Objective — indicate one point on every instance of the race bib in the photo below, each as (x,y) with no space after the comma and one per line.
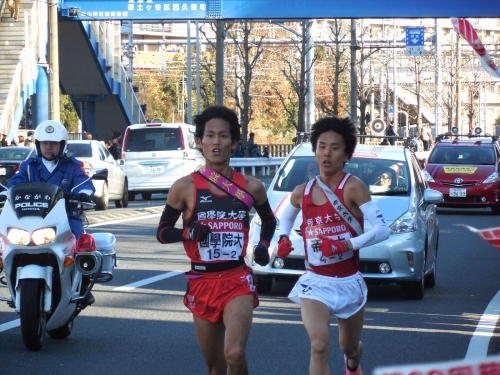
(336,232)
(221,246)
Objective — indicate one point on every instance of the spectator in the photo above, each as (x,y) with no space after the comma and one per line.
(238,151)
(391,132)
(117,142)
(266,152)
(14,8)
(87,136)
(416,142)
(5,143)
(250,143)
(426,137)
(21,140)
(28,142)
(255,153)
(15,141)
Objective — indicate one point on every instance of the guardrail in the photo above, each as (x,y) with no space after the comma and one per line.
(253,163)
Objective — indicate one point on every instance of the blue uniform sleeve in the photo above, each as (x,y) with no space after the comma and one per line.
(21,176)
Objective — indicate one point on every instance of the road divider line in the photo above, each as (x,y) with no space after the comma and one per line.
(134,218)
(10,325)
(151,280)
(478,344)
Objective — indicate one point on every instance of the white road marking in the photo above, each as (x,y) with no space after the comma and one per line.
(478,345)
(9,325)
(150,280)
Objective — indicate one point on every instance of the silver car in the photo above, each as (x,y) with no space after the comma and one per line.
(94,154)
(408,257)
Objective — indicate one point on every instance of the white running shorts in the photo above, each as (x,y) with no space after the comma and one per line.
(344,296)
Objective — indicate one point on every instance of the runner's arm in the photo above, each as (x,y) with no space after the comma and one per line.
(268,222)
(379,232)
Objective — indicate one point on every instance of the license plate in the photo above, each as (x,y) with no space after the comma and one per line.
(154,169)
(460,193)
(3,171)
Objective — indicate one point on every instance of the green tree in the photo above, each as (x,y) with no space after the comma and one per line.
(69,117)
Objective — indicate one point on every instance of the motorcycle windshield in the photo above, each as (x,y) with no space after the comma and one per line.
(34,198)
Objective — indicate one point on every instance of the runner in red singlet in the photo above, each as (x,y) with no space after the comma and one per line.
(215,204)
(333,205)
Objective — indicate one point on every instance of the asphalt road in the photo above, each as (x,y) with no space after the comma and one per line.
(139,323)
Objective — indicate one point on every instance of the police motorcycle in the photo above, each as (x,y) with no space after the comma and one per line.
(44,266)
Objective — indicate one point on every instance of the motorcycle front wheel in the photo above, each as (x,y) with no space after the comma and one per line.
(33,318)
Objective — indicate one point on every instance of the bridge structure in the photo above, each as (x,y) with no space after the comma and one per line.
(91,70)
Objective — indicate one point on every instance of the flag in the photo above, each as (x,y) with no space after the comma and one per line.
(492,235)
(466,30)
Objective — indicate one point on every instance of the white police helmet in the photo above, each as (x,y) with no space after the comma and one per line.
(51,131)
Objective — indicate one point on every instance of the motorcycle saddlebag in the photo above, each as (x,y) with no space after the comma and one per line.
(105,244)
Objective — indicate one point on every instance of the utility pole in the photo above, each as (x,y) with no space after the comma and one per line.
(219,64)
(394,79)
(54,112)
(354,76)
(310,107)
(437,57)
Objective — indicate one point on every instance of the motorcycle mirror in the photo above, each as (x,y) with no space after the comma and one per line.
(98,173)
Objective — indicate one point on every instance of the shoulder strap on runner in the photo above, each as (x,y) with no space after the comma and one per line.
(227,185)
(341,209)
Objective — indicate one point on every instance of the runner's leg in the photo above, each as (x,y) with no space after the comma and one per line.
(316,318)
(211,341)
(349,337)
(238,315)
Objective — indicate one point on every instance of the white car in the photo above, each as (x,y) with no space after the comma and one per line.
(156,155)
(94,154)
(408,257)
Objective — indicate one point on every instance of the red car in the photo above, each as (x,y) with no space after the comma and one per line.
(466,172)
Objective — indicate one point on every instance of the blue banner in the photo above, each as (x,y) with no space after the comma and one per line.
(275,9)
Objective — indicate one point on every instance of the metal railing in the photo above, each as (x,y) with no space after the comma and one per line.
(254,163)
(107,35)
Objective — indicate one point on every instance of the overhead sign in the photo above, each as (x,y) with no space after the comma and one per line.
(272,9)
(415,41)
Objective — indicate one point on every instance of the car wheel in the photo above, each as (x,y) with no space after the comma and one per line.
(101,204)
(122,203)
(131,196)
(414,290)
(430,279)
(264,284)
(146,196)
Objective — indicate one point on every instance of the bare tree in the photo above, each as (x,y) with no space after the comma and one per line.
(295,72)
(247,53)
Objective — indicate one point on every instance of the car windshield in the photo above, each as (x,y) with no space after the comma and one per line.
(79,150)
(461,154)
(154,139)
(381,176)
(21,154)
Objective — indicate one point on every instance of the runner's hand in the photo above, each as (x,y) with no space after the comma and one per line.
(331,247)
(261,254)
(284,246)
(196,232)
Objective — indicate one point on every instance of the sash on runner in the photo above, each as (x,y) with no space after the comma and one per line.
(337,204)
(227,185)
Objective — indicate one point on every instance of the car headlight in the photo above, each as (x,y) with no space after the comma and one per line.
(18,236)
(43,236)
(492,178)
(428,177)
(257,220)
(406,223)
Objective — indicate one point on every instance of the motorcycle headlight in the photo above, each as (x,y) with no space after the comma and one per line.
(43,236)
(405,224)
(18,236)
(491,178)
